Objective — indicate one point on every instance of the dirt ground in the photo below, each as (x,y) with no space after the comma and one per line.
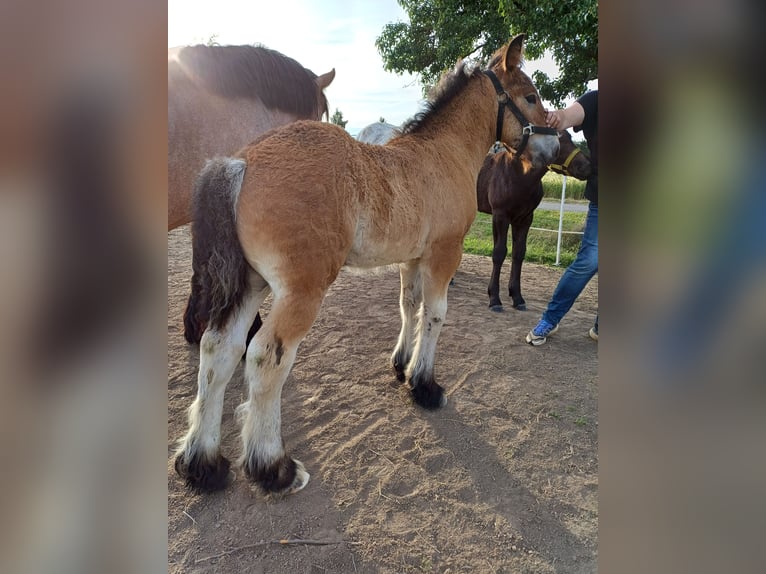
(502,479)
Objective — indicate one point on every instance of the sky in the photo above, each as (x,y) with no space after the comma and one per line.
(320,34)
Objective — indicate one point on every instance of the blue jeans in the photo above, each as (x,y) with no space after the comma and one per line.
(577,275)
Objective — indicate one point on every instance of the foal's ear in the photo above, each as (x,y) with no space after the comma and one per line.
(325,79)
(514,52)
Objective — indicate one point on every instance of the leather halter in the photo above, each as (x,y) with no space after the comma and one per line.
(563,168)
(504,100)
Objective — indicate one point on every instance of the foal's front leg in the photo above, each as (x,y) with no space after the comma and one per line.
(519,233)
(500,224)
(437,272)
(410,300)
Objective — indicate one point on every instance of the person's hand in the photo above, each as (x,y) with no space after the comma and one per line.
(553,119)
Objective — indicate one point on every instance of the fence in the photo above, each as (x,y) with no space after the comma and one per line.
(561,223)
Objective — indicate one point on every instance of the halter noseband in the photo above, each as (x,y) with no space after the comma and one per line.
(563,168)
(527,129)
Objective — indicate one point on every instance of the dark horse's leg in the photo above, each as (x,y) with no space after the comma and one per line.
(519,232)
(500,224)
(196,317)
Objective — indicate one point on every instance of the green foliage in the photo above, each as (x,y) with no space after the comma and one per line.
(440,32)
(337,119)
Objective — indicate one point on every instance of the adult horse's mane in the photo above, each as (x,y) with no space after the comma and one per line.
(254,72)
(451,84)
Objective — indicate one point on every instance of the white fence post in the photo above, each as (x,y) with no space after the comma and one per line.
(561,219)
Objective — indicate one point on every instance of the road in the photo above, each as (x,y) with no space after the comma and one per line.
(555,205)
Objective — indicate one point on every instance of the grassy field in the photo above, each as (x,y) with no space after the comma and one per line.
(541,245)
(552,187)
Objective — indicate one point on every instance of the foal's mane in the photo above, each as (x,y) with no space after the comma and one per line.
(451,84)
(255,72)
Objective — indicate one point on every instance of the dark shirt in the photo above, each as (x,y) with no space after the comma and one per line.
(589,127)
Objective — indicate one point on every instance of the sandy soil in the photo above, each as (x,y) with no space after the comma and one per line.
(502,479)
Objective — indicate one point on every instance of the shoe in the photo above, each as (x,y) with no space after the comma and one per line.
(593,333)
(541,332)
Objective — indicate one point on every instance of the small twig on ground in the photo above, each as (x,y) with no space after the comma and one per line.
(382,456)
(190,517)
(282,542)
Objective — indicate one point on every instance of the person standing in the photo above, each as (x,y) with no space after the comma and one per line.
(582,115)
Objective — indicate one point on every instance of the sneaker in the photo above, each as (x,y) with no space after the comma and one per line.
(540,333)
(593,333)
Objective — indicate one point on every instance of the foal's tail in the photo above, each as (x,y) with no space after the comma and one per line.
(220,270)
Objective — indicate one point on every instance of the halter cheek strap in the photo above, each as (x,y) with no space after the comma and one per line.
(504,100)
(564,167)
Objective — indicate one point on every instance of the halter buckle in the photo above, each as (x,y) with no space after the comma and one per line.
(498,147)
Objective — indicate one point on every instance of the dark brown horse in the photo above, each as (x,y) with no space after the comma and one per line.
(286,214)
(510,189)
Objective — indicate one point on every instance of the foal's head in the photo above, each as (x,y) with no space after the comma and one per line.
(571,161)
(505,63)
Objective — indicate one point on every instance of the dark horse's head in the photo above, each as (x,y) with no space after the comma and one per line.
(571,160)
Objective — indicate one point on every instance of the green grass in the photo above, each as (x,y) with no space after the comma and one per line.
(552,187)
(541,245)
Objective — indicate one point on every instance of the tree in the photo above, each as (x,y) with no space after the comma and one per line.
(442,31)
(337,119)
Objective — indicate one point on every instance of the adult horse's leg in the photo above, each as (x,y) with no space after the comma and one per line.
(198,459)
(436,271)
(519,232)
(499,251)
(410,300)
(270,356)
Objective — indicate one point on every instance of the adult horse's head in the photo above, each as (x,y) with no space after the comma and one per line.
(221,98)
(521,116)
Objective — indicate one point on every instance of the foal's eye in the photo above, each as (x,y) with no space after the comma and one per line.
(532,98)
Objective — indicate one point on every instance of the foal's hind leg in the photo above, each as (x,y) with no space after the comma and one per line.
(410,300)
(198,459)
(270,357)
(437,271)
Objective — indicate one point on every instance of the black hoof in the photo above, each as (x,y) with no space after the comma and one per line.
(496,308)
(520,307)
(284,476)
(428,394)
(202,475)
(400,366)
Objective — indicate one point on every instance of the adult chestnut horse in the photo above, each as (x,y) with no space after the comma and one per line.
(510,188)
(221,98)
(292,210)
